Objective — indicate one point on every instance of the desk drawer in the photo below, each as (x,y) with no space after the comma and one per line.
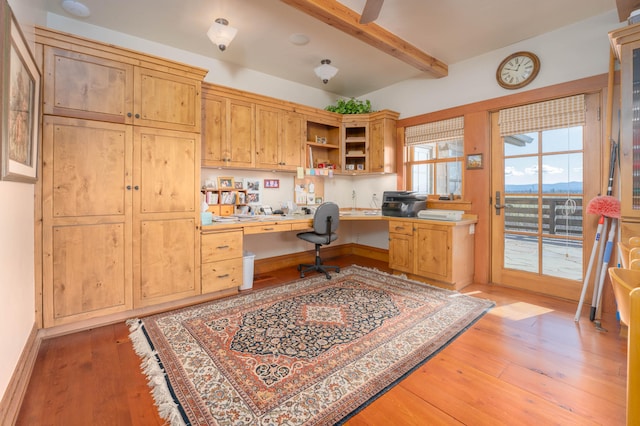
(262,229)
(400,227)
(302,226)
(221,275)
(221,246)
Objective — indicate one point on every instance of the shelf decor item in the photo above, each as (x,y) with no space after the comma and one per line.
(226,183)
(20,103)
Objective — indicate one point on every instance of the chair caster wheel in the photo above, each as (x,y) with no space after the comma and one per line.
(338,270)
(301,275)
(328,276)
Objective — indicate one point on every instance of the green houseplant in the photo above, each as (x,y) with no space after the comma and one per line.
(351,106)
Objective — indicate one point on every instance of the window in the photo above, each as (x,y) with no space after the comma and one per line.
(435,152)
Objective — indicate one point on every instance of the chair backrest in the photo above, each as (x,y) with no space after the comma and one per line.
(326,218)
(623,282)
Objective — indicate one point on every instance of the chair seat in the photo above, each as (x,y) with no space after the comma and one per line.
(314,238)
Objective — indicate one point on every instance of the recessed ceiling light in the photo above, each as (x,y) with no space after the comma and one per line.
(76,8)
(299,39)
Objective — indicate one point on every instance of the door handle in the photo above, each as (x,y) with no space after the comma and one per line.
(499,206)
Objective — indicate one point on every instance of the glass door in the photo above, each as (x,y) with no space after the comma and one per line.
(538,212)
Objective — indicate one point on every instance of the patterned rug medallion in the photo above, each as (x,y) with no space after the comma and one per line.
(311,352)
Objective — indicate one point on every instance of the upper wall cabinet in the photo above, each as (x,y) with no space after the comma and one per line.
(279,136)
(228,131)
(83,79)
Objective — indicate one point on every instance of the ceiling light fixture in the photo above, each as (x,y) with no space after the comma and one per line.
(326,71)
(76,8)
(221,33)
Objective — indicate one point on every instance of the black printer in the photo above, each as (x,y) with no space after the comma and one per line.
(403,203)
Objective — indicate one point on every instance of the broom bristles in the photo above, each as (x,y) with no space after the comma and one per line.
(604,205)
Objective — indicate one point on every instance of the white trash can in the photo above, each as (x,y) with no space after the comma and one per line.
(247,270)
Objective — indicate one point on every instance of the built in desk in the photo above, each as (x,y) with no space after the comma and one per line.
(434,251)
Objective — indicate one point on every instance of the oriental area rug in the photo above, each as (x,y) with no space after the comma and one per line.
(311,352)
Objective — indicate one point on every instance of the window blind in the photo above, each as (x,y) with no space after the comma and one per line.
(557,113)
(434,132)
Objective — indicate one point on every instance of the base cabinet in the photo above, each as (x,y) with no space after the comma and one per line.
(440,253)
(221,259)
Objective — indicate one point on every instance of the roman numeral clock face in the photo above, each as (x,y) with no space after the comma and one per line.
(518,70)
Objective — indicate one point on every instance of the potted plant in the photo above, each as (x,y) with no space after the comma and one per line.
(351,106)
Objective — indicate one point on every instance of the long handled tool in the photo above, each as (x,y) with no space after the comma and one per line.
(603,271)
(585,284)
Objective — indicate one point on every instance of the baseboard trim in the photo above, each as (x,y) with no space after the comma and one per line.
(17,388)
(262,266)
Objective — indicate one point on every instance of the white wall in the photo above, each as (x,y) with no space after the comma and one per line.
(570,53)
(17,284)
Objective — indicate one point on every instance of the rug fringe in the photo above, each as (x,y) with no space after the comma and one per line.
(156,377)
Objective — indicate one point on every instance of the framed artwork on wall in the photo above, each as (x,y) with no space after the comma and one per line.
(474,161)
(226,183)
(20,110)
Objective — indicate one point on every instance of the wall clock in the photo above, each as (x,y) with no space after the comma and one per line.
(517,70)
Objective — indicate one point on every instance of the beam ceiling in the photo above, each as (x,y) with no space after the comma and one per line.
(341,17)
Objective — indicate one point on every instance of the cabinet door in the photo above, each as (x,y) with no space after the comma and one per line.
(292,146)
(85,86)
(86,210)
(166,171)
(166,101)
(433,251)
(382,146)
(165,259)
(401,252)
(241,134)
(214,130)
(268,137)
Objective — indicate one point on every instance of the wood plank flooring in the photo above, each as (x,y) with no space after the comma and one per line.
(525,362)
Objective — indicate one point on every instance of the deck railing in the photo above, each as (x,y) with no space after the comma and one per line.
(560,215)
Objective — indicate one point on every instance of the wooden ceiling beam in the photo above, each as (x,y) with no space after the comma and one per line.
(341,17)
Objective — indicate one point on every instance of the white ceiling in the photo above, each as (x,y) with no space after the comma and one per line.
(449,30)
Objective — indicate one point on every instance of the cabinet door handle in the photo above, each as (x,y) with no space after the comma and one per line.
(136,187)
(128,187)
(223,276)
(129,114)
(222,247)
(137,115)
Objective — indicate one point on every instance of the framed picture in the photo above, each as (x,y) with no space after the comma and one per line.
(226,183)
(272,183)
(237,184)
(20,110)
(474,161)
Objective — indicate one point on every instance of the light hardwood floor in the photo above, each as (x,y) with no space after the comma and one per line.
(525,362)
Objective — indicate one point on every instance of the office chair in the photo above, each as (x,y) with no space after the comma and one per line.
(325,224)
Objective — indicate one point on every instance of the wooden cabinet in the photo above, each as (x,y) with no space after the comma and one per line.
(221,259)
(323,147)
(279,137)
(166,215)
(228,131)
(626,43)
(401,246)
(120,179)
(101,87)
(440,253)
(382,142)
(87,211)
(355,144)
(369,142)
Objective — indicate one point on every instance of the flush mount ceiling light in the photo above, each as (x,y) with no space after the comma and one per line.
(76,8)
(326,71)
(221,33)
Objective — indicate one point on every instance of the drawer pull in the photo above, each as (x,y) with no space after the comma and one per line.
(268,229)
(222,247)
(399,228)
(223,276)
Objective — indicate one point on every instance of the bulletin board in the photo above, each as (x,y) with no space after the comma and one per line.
(308,191)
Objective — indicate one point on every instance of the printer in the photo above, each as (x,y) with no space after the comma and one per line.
(403,203)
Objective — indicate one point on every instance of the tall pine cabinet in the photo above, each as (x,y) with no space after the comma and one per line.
(120,177)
